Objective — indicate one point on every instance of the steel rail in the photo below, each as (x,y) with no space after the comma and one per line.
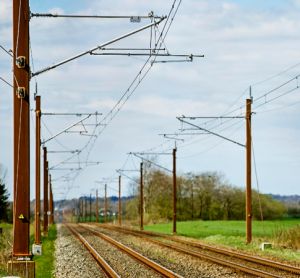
(103,264)
(137,256)
(262,261)
(253,259)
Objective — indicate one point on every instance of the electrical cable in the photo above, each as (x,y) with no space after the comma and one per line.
(279,96)
(277,88)
(6,82)
(276,75)
(138,79)
(18,29)
(277,109)
(257,183)
(6,51)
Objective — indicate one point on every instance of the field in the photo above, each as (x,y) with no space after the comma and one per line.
(283,234)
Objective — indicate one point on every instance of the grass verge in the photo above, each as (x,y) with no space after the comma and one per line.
(5,247)
(44,265)
(232,234)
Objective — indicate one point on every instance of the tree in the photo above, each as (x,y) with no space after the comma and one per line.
(3,196)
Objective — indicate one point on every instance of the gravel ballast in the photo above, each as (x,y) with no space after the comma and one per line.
(72,259)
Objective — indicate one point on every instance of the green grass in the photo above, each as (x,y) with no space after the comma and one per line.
(203,229)
(5,247)
(232,234)
(44,265)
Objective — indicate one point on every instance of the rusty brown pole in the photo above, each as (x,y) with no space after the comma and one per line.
(21,111)
(105,204)
(90,217)
(85,208)
(97,207)
(248,173)
(37,235)
(120,205)
(52,209)
(142,199)
(50,202)
(45,230)
(81,210)
(174,192)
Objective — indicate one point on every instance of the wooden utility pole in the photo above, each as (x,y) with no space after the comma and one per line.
(141,198)
(120,205)
(21,112)
(97,207)
(45,192)
(37,238)
(248,172)
(174,192)
(105,204)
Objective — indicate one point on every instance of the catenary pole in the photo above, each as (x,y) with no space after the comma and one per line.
(174,192)
(90,207)
(21,143)
(248,172)
(50,202)
(97,207)
(85,208)
(120,205)
(37,238)
(45,230)
(105,203)
(141,198)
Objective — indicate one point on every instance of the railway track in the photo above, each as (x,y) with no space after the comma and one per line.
(248,264)
(109,271)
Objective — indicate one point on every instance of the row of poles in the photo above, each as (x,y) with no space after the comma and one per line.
(83,205)
(21,143)
(248,208)
(48,205)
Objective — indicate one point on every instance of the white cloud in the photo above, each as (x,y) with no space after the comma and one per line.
(6,11)
(241,46)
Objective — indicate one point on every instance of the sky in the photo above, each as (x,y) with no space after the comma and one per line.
(245,44)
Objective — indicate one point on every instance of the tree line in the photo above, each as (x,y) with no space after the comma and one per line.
(206,196)
(5,210)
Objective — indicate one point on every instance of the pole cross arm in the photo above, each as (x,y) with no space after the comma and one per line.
(189,57)
(97,47)
(210,132)
(151,162)
(123,174)
(66,129)
(133,18)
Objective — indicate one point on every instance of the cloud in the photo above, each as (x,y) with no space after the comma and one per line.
(6,11)
(158,106)
(242,43)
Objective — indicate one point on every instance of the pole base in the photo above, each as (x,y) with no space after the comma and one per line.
(22,268)
(37,249)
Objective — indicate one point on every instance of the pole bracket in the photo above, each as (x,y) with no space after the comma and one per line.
(21,92)
(21,62)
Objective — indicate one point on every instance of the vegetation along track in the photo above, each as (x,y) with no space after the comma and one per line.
(246,263)
(78,231)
